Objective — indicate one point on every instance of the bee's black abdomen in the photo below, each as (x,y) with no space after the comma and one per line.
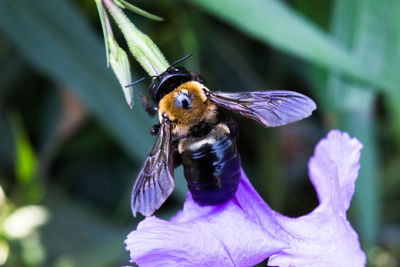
(212,171)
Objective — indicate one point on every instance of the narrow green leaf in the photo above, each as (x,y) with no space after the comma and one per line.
(25,161)
(120,64)
(140,45)
(100,9)
(139,11)
(273,22)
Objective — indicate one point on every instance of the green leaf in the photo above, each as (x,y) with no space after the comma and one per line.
(25,161)
(392,65)
(361,26)
(141,46)
(120,65)
(139,11)
(102,16)
(273,22)
(61,45)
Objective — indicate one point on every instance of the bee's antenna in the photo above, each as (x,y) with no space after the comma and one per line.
(182,59)
(136,82)
(173,64)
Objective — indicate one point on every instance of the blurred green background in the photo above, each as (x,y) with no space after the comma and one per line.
(70,147)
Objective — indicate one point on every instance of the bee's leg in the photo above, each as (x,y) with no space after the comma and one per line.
(233,127)
(196,77)
(176,156)
(155,129)
(150,109)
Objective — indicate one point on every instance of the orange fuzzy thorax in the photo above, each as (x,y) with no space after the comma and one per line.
(183,119)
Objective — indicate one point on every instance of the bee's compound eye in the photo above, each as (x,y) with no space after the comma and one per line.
(183,100)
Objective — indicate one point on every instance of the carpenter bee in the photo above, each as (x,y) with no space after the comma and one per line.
(189,133)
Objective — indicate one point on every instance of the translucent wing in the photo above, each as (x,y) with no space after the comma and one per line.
(269,108)
(155,181)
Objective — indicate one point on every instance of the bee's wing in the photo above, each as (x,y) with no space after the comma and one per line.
(269,108)
(155,181)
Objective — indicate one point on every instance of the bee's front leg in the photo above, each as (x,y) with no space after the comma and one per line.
(155,129)
(149,108)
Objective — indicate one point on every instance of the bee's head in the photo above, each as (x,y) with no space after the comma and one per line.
(167,81)
(187,106)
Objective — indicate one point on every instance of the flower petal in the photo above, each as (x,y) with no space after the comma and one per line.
(325,237)
(334,169)
(249,201)
(223,235)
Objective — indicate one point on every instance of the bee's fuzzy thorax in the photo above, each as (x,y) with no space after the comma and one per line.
(183,119)
(217,132)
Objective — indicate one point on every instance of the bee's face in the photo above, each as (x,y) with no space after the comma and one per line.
(186,106)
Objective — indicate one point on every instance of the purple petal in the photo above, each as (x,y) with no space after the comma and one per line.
(334,169)
(222,235)
(325,237)
(249,201)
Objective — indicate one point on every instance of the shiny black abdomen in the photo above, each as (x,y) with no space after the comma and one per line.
(212,171)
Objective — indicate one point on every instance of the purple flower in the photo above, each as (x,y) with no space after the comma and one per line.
(245,230)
